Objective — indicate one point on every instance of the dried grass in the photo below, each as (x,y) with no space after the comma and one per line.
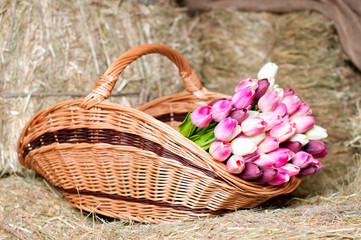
(57,49)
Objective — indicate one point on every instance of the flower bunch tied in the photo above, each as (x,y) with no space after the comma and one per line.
(262,133)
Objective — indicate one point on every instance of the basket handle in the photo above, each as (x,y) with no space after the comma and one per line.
(106,82)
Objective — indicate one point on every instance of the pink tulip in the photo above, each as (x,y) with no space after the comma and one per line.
(281,156)
(215,101)
(281,178)
(265,161)
(293,146)
(271,118)
(292,170)
(316,163)
(292,103)
(281,109)
(256,139)
(269,173)
(225,129)
(286,119)
(251,171)
(283,131)
(315,147)
(239,115)
(302,159)
(220,150)
(303,110)
(251,157)
(243,98)
(263,85)
(268,144)
(303,123)
(288,91)
(268,102)
(311,169)
(235,164)
(321,154)
(253,126)
(221,109)
(253,83)
(202,116)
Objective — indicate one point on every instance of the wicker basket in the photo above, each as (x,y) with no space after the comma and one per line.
(132,163)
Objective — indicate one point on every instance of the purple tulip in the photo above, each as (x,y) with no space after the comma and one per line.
(220,150)
(253,83)
(239,115)
(288,91)
(315,147)
(283,131)
(202,116)
(268,144)
(303,110)
(303,123)
(321,154)
(281,109)
(292,170)
(263,85)
(243,98)
(251,157)
(281,178)
(302,159)
(235,164)
(293,146)
(253,126)
(269,173)
(292,103)
(313,168)
(281,156)
(268,102)
(265,161)
(271,118)
(221,109)
(251,171)
(225,129)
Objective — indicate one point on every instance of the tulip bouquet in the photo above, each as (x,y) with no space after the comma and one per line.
(262,133)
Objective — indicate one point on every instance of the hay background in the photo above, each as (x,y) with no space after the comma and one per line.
(62,47)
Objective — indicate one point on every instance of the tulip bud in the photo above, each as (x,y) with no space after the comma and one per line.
(243,98)
(303,110)
(308,171)
(314,147)
(303,123)
(281,109)
(293,146)
(221,109)
(225,129)
(292,103)
(265,161)
(288,91)
(243,146)
(220,150)
(321,154)
(235,164)
(251,157)
(263,85)
(316,133)
(292,170)
(253,83)
(281,156)
(268,102)
(316,163)
(271,118)
(268,144)
(302,159)
(281,178)
(202,116)
(251,171)
(215,101)
(253,126)
(239,115)
(256,139)
(301,138)
(283,131)
(268,70)
(269,173)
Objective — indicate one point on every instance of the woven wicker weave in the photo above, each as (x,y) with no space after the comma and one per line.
(132,163)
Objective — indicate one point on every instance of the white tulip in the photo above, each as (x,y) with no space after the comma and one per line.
(301,138)
(268,70)
(237,131)
(257,138)
(316,133)
(252,113)
(243,146)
